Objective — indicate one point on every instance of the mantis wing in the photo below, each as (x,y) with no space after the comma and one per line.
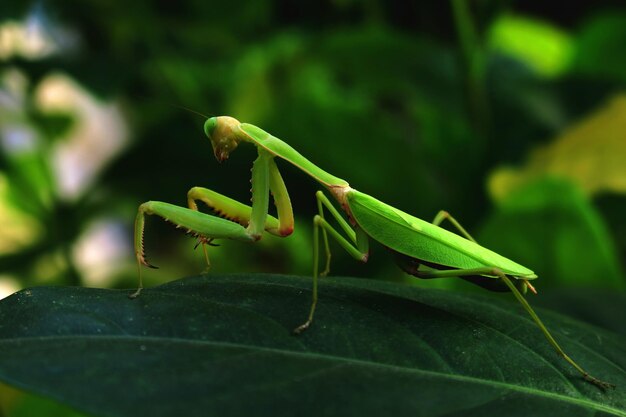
(425,241)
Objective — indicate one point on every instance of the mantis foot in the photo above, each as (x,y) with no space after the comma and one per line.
(302,327)
(135,294)
(326,270)
(604,386)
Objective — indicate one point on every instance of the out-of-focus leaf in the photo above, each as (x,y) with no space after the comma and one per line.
(551,227)
(18,230)
(23,148)
(540,45)
(591,154)
(254,76)
(222,345)
(600,47)
(54,125)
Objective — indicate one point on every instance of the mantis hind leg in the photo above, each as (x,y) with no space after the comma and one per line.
(495,272)
(357,245)
(444,215)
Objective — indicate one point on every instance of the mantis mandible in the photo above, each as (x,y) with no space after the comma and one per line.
(414,243)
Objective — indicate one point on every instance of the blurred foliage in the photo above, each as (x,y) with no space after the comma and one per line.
(591,154)
(600,51)
(384,95)
(550,224)
(542,46)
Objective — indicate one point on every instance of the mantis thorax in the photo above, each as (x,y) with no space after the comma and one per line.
(340,192)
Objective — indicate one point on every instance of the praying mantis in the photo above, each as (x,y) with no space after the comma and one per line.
(420,248)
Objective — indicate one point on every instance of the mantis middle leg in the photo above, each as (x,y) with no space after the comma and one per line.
(357,245)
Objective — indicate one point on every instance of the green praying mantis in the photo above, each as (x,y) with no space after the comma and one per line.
(420,248)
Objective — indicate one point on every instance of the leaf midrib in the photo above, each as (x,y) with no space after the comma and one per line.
(456,377)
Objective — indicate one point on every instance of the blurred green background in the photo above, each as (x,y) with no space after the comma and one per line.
(510,115)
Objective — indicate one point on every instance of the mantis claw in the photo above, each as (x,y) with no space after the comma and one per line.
(149,265)
(205,241)
(143,261)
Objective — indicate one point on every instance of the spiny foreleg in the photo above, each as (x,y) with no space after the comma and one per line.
(197,224)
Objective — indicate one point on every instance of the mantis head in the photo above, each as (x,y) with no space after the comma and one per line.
(223,131)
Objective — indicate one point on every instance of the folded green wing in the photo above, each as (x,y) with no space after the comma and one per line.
(425,241)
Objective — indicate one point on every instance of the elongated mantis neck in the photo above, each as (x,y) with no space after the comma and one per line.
(227,132)
(284,151)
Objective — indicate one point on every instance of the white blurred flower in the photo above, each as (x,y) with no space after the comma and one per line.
(98,133)
(8,285)
(102,251)
(34,38)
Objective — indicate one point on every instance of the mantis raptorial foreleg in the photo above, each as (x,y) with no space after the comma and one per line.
(357,246)
(244,223)
(227,208)
(196,223)
(240,213)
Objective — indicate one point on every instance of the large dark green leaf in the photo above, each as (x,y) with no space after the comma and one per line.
(222,345)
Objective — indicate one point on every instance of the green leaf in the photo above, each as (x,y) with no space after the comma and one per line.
(222,345)
(542,46)
(599,47)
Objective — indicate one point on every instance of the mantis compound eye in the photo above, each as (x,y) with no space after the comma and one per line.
(209,126)
(222,131)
